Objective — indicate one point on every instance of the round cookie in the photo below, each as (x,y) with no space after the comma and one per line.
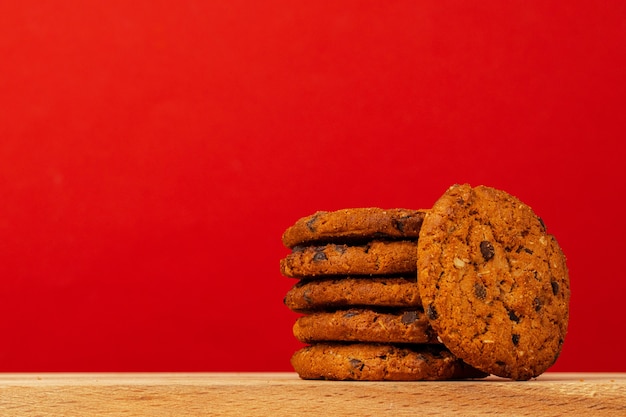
(373,258)
(372,362)
(355,224)
(494,284)
(363,325)
(311,295)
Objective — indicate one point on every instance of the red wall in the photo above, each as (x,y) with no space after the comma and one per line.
(152,153)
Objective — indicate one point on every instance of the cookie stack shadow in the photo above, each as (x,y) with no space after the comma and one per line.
(362,317)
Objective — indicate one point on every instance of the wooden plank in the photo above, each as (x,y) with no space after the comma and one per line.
(284,394)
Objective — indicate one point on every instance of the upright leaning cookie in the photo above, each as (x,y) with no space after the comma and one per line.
(493,282)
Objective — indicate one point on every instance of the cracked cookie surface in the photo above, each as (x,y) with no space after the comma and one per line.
(355,224)
(364,325)
(373,258)
(379,362)
(494,284)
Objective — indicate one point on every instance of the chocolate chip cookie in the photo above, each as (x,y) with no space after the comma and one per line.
(365,325)
(379,362)
(355,224)
(334,293)
(494,284)
(372,258)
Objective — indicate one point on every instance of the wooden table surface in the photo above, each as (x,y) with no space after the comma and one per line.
(284,394)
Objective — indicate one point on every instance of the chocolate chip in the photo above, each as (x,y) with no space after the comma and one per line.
(319,255)
(399,223)
(555,287)
(515,339)
(306,295)
(537,303)
(480,291)
(486,249)
(521,248)
(513,316)
(431,334)
(311,223)
(341,249)
(431,312)
(356,364)
(409,317)
(350,313)
(542,223)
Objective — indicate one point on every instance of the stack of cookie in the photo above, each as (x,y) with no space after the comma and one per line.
(362,313)
(471,287)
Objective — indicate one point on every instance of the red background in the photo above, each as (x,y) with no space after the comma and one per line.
(152,153)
